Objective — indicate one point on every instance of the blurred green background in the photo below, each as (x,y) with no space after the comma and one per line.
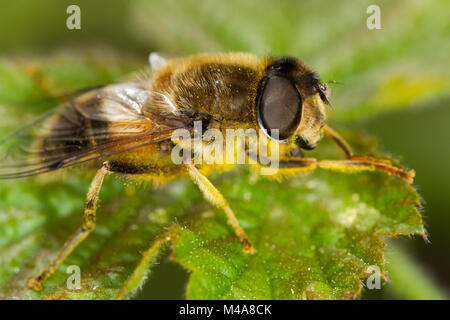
(394,82)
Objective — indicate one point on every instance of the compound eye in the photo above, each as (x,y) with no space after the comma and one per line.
(279,107)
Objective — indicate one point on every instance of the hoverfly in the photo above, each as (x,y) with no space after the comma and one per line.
(126,128)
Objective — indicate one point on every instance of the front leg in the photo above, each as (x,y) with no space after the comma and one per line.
(358,163)
(295,165)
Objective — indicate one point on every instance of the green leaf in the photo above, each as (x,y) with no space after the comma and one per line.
(315,238)
(315,235)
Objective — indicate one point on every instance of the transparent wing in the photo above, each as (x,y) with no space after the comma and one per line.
(96,124)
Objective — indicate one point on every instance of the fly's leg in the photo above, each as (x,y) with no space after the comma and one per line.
(358,163)
(216,198)
(86,228)
(295,165)
(362,163)
(338,141)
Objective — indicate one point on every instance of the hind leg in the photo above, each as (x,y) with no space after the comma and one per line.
(81,234)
